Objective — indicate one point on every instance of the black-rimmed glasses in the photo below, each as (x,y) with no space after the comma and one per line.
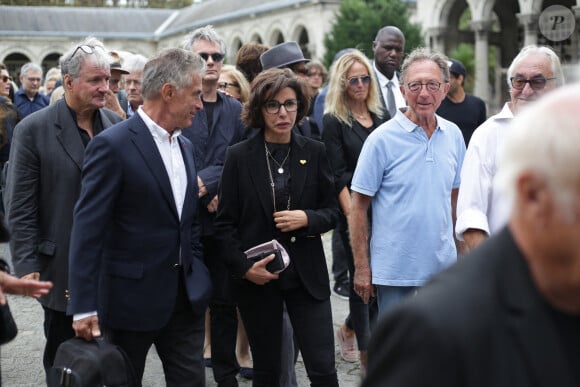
(354,81)
(536,83)
(225,85)
(216,56)
(431,86)
(273,106)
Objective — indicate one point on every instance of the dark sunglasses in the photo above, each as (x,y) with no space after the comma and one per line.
(6,78)
(354,81)
(537,83)
(216,56)
(225,85)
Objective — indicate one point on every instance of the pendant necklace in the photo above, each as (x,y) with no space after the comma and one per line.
(280,169)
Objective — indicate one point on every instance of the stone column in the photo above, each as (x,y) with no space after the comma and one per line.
(481,29)
(436,37)
(530,23)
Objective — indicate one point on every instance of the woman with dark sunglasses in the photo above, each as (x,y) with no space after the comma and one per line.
(352,111)
(9,117)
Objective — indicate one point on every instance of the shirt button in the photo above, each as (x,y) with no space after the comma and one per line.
(293,239)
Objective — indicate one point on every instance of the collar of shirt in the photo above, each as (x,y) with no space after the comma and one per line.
(383,80)
(157,131)
(505,113)
(408,125)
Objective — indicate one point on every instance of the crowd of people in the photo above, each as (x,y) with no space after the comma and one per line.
(179,202)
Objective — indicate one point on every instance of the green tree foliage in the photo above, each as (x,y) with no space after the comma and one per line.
(358,21)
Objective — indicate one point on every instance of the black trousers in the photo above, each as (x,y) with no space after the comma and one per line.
(362,317)
(223,318)
(57,329)
(261,309)
(179,345)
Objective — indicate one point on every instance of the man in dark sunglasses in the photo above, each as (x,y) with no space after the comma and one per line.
(44,179)
(214,128)
(481,209)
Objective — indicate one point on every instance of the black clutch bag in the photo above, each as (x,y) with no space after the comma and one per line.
(274,266)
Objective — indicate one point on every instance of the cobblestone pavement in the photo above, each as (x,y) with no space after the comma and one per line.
(21,359)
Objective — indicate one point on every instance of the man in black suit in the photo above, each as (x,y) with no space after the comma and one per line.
(43,180)
(508,314)
(136,265)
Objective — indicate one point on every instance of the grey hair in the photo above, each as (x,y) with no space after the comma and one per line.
(135,63)
(551,153)
(538,50)
(30,67)
(422,54)
(204,33)
(71,61)
(172,65)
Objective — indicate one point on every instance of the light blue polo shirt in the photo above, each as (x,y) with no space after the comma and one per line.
(410,178)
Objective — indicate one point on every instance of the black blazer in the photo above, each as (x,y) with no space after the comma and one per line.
(43,185)
(245,211)
(480,323)
(343,146)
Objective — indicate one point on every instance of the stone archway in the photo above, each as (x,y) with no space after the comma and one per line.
(13,63)
(304,42)
(49,61)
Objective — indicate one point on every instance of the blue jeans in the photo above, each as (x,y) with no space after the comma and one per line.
(389,296)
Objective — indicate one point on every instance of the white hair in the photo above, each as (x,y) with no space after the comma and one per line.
(544,139)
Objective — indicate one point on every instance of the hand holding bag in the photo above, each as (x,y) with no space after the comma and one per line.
(281,258)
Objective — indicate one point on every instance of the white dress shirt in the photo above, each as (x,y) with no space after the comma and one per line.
(480,204)
(170,151)
(383,80)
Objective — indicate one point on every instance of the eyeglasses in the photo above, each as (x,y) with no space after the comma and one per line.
(33,79)
(225,85)
(354,81)
(432,86)
(5,78)
(216,56)
(273,106)
(536,83)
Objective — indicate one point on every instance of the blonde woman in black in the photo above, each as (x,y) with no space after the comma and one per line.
(352,111)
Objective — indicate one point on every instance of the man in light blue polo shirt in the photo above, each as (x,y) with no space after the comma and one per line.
(409,169)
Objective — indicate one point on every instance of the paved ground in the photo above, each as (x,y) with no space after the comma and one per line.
(21,360)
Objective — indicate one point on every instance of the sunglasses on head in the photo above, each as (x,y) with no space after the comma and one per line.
(216,56)
(354,81)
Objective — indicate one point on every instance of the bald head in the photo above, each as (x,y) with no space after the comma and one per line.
(388,48)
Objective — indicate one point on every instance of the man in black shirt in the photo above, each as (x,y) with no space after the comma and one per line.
(465,110)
